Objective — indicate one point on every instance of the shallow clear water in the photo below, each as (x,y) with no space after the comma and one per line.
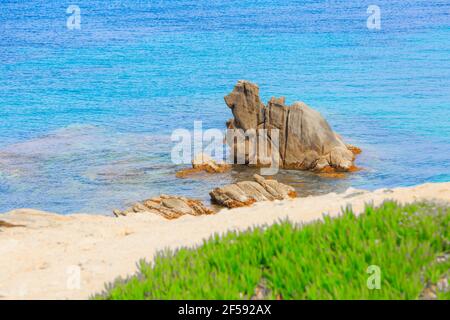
(86,115)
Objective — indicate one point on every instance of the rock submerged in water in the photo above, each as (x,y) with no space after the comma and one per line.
(234,195)
(204,163)
(169,207)
(245,193)
(306,140)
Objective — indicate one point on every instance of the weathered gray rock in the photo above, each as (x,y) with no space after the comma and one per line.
(4,224)
(247,192)
(169,207)
(248,110)
(306,140)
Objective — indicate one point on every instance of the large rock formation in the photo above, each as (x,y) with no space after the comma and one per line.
(306,141)
(245,193)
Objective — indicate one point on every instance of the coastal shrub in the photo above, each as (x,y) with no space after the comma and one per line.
(330,259)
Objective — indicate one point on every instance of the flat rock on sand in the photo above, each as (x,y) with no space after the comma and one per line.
(245,193)
(44,259)
(167,206)
(306,140)
(234,195)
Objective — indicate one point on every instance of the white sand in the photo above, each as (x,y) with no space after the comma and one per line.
(41,260)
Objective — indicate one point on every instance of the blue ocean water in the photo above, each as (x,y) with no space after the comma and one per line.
(86,115)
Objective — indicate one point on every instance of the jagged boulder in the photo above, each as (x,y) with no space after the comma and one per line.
(5,224)
(306,140)
(169,207)
(245,193)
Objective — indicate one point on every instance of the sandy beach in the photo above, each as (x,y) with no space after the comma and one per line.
(45,254)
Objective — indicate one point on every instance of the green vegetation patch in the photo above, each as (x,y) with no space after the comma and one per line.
(406,246)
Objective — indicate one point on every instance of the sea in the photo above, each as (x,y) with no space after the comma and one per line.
(91,91)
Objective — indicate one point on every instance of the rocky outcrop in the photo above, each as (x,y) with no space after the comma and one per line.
(169,207)
(245,193)
(4,224)
(234,195)
(306,140)
(203,163)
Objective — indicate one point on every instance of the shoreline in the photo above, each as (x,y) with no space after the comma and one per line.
(41,256)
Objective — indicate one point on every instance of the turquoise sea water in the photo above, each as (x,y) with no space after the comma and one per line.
(86,115)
